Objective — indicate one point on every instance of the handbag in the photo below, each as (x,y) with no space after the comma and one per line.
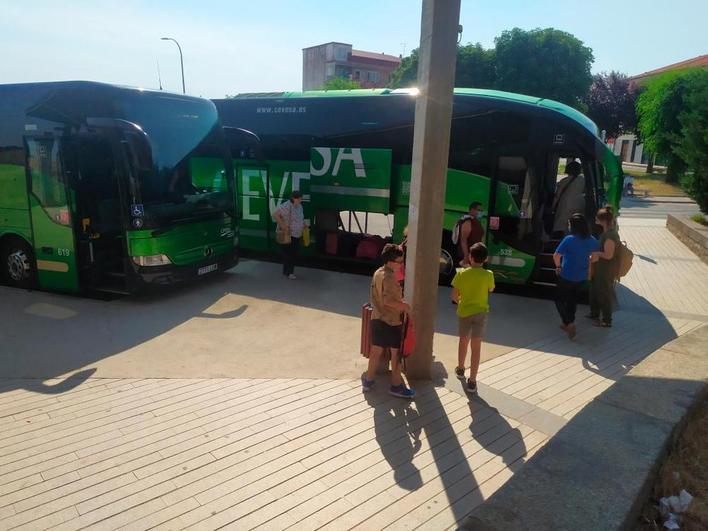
(283,236)
(408,339)
(306,236)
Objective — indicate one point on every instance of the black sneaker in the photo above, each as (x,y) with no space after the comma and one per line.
(460,372)
(471,387)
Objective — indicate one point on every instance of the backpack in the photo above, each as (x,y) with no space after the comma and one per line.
(624,259)
(456,228)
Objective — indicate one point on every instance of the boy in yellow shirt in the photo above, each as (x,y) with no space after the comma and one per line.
(470,290)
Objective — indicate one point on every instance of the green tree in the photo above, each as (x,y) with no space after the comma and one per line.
(548,63)
(693,147)
(339,83)
(406,75)
(658,109)
(474,68)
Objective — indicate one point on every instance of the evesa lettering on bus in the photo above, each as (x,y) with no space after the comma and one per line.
(253,186)
(333,161)
(343,154)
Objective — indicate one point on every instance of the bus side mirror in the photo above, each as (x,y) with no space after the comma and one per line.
(243,144)
(140,150)
(130,135)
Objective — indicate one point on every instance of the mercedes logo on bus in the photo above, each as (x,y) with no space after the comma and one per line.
(208,251)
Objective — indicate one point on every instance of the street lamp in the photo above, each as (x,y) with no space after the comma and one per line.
(181,62)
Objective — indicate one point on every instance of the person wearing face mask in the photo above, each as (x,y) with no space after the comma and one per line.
(469,231)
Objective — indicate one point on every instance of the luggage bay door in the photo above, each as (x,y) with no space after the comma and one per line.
(355,179)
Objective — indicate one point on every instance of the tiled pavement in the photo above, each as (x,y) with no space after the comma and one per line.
(310,454)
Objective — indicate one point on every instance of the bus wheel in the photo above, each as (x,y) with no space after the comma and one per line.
(447,259)
(447,267)
(18,264)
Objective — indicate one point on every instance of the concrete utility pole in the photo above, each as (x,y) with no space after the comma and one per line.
(431,143)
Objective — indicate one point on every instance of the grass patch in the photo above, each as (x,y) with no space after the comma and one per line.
(699,218)
(686,467)
(655,184)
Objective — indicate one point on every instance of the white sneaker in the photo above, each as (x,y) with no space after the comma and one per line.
(291,276)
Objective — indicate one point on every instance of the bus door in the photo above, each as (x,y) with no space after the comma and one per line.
(50,211)
(252,183)
(511,238)
(353,180)
(92,173)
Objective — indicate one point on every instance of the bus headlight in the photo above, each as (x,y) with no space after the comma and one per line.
(152,260)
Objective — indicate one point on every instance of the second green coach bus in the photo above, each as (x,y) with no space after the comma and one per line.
(112,188)
(350,152)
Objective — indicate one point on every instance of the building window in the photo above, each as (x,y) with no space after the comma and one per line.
(340,53)
(373,76)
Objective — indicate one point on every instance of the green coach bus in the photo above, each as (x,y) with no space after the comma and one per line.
(112,188)
(350,152)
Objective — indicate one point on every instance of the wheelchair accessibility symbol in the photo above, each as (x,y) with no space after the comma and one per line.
(137,210)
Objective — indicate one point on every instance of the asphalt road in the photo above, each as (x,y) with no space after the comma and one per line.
(657,207)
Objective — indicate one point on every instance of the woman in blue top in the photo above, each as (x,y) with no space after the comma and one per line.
(572,259)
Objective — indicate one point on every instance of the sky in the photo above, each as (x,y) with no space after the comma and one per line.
(233,46)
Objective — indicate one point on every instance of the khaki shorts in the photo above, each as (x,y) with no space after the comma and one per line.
(473,325)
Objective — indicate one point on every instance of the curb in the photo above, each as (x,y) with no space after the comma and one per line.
(692,234)
(598,471)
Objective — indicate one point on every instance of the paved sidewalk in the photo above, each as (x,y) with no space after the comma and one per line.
(140,453)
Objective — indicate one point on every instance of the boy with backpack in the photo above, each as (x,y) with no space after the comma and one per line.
(471,289)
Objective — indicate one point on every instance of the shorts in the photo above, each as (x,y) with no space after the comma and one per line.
(385,335)
(473,325)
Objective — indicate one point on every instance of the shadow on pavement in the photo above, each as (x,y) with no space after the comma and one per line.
(48,336)
(397,420)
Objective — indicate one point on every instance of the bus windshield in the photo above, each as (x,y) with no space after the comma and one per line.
(189,179)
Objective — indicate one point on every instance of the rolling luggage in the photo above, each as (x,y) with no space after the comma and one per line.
(331,243)
(370,247)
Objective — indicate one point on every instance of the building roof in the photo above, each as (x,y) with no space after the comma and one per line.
(326,43)
(361,54)
(696,62)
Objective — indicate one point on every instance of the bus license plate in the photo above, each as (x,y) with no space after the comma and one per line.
(207,269)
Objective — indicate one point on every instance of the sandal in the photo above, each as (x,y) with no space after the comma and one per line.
(602,324)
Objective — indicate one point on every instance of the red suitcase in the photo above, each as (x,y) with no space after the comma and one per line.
(331,243)
(366,311)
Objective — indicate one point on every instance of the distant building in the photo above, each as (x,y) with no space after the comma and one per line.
(627,145)
(325,61)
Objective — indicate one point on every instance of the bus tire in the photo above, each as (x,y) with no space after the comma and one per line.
(19,268)
(447,259)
